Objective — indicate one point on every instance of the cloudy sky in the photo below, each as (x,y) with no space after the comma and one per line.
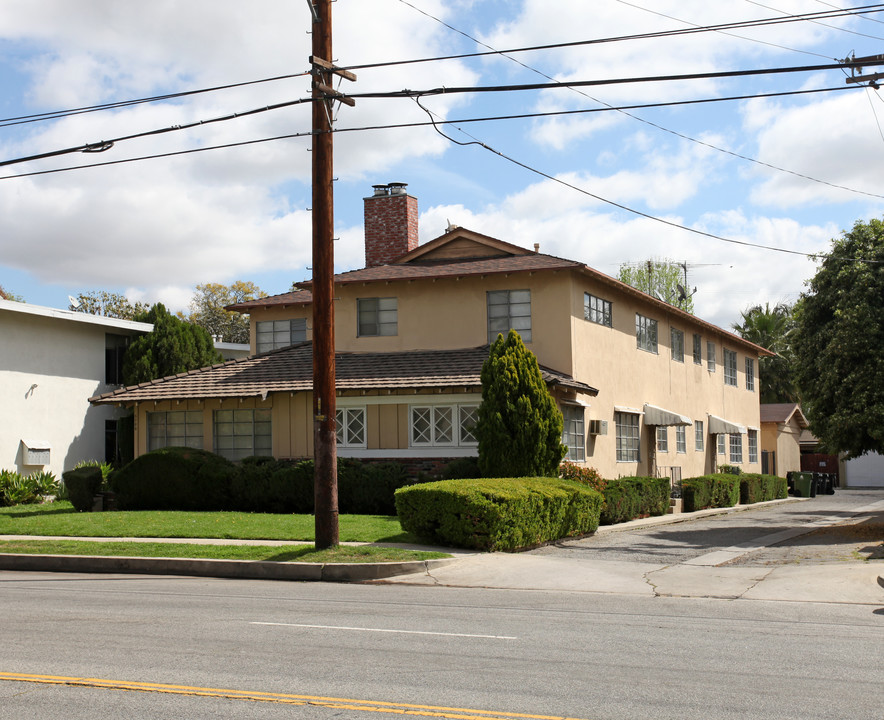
(787,173)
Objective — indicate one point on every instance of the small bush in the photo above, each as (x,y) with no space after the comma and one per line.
(635,497)
(82,484)
(369,488)
(762,488)
(498,514)
(710,491)
(175,478)
(274,486)
(462,469)
(585,475)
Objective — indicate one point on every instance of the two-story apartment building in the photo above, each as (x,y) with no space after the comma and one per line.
(644,387)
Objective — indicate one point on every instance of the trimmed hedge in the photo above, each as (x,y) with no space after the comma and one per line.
(498,514)
(188,479)
(634,497)
(709,491)
(81,485)
(761,488)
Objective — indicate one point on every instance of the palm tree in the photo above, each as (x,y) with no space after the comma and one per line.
(772,329)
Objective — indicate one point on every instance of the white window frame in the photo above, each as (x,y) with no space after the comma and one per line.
(574,431)
(752,443)
(344,423)
(646,333)
(377,317)
(750,374)
(457,414)
(662,439)
(628,436)
(276,334)
(736,449)
(722,444)
(239,425)
(698,349)
(681,441)
(710,356)
(511,308)
(187,427)
(730,367)
(597,310)
(699,436)
(676,341)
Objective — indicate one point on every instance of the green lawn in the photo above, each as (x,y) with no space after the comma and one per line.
(59,518)
(279,553)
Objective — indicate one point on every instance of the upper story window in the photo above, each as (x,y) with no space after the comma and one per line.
(628,433)
(698,349)
(378,317)
(677,341)
(114,351)
(574,435)
(645,333)
(710,355)
(509,310)
(730,367)
(182,428)
(350,427)
(275,334)
(596,310)
(750,374)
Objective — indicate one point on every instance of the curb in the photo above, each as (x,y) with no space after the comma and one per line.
(242,569)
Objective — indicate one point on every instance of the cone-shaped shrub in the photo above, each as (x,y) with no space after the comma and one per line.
(519,428)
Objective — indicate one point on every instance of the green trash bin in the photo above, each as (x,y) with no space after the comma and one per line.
(803,484)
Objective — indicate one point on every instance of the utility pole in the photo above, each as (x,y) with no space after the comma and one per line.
(325,480)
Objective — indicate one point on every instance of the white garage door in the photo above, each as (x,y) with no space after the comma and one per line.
(865,471)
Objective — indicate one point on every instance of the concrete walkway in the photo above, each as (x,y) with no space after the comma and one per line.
(705,576)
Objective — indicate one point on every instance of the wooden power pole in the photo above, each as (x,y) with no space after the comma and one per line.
(325,481)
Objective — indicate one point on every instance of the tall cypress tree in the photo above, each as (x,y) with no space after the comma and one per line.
(174,346)
(519,427)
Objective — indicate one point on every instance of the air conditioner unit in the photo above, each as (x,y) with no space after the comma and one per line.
(598,427)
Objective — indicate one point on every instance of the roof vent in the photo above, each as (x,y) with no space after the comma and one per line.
(379,190)
(397,188)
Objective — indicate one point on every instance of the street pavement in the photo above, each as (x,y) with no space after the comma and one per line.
(743,552)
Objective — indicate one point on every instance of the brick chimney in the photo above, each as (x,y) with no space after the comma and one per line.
(390,224)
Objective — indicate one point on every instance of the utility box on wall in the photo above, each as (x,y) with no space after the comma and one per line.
(35,452)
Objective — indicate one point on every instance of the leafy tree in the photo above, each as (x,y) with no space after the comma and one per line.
(519,427)
(772,329)
(174,346)
(660,278)
(207,309)
(839,344)
(6,295)
(108,304)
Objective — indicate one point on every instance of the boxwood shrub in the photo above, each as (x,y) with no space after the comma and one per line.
(710,491)
(81,485)
(634,497)
(498,513)
(761,488)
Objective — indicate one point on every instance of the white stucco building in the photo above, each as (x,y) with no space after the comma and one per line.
(51,363)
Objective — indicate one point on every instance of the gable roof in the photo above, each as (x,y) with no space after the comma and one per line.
(461,253)
(289,299)
(291,370)
(783,413)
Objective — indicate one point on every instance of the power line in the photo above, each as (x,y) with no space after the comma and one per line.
(56,114)
(816,22)
(694,29)
(613,203)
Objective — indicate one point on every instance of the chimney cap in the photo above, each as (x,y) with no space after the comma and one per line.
(379,189)
(397,188)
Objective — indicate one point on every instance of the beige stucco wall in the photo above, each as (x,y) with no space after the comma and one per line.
(782,438)
(451,313)
(50,365)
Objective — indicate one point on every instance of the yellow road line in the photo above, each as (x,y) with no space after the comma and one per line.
(281,698)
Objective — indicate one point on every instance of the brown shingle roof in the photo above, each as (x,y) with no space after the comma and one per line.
(298,297)
(291,370)
(782,413)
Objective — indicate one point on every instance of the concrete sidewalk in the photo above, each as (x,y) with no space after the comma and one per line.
(700,577)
